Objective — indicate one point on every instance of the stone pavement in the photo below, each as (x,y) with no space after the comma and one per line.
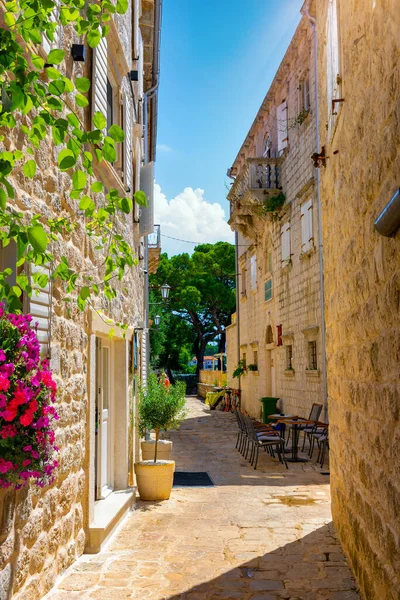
(256,535)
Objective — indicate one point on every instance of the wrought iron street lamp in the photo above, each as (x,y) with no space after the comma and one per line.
(165,288)
(157,320)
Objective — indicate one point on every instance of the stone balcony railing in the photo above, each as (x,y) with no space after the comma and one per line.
(258,179)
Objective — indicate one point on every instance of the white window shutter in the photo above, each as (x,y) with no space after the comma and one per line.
(282,126)
(55,18)
(99,78)
(310,222)
(253,271)
(128,153)
(39,306)
(285,241)
(146,221)
(304,228)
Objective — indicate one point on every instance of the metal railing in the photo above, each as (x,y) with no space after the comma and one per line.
(154,239)
(256,174)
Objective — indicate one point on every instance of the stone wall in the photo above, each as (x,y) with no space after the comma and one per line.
(43,532)
(295,303)
(362,280)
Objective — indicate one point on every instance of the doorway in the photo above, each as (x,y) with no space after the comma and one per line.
(270,373)
(104,420)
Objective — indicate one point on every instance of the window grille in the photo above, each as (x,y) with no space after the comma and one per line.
(312,355)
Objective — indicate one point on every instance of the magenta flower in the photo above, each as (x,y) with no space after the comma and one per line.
(2,355)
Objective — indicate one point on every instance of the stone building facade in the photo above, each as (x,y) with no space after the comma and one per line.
(279,316)
(43,532)
(358,64)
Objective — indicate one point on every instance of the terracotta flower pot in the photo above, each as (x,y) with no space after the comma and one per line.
(155,479)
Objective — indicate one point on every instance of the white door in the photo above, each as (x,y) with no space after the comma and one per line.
(104,421)
(270,373)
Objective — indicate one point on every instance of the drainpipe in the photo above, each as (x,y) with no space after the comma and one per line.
(237,306)
(313,24)
(150,94)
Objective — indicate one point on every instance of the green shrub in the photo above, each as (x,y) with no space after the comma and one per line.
(160,407)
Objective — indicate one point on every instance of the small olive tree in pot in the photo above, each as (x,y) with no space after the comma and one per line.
(160,408)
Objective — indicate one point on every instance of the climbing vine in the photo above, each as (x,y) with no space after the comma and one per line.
(39,102)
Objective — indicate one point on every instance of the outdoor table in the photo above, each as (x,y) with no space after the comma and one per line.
(295,436)
(279,416)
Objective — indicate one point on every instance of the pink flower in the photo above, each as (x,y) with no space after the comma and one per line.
(5,465)
(27,448)
(4,382)
(2,355)
(26,462)
(3,401)
(8,431)
(35,454)
(26,418)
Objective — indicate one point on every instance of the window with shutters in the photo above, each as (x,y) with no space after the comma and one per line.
(112,97)
(268,290)
(312,355)
(306,219)
(267,146)
(47,43)
(333,75)
(289,357)
(255,358)
(285,244)
(253,272)
(304,94)
(282,126)
(39,304)
(243,281)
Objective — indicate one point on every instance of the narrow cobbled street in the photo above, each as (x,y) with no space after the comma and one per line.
(256,535)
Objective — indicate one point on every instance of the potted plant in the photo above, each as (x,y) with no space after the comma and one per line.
(160,408)
(240,369)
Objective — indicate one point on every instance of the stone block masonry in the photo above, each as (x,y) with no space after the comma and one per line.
(362,282)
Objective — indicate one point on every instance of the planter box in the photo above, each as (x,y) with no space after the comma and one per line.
(155,479)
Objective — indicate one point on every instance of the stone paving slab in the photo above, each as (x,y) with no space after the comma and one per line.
(257,535)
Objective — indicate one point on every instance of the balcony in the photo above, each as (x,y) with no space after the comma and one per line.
(154,249)
(258,180)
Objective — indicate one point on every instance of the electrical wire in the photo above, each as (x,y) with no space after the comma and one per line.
(198,243)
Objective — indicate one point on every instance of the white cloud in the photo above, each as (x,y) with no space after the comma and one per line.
(189,216)
(163,148)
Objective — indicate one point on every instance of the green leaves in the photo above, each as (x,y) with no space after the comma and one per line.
(38,62)
(37,238)
(116,133)
(66,159)
(3,199)
(126,205)
(82,84)
(96,186)
(140,198)
(79,180)
(86,203)
(30,169)
(93,38)
(81,101)
(109,152)
(55,57)
(122,6)
(99,120)
(57,87)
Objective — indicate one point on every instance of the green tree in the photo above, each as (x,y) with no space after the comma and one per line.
(203,291)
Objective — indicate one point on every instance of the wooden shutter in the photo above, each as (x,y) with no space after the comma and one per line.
(39,306)
(99,78)
(128,153)
(285,242)
(306,225)
(332,61)
(253,271)
(282,126)
(146,221)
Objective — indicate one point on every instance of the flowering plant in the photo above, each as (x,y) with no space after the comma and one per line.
(27,414)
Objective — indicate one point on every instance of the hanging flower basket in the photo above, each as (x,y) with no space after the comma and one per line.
(27,414)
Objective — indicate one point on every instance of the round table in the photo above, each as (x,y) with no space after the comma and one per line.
(295,437)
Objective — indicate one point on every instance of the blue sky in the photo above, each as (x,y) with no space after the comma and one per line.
(218,59)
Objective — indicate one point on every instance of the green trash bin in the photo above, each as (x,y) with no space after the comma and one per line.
(269,407)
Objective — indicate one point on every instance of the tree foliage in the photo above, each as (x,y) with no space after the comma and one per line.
(39,102)
(203,291)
